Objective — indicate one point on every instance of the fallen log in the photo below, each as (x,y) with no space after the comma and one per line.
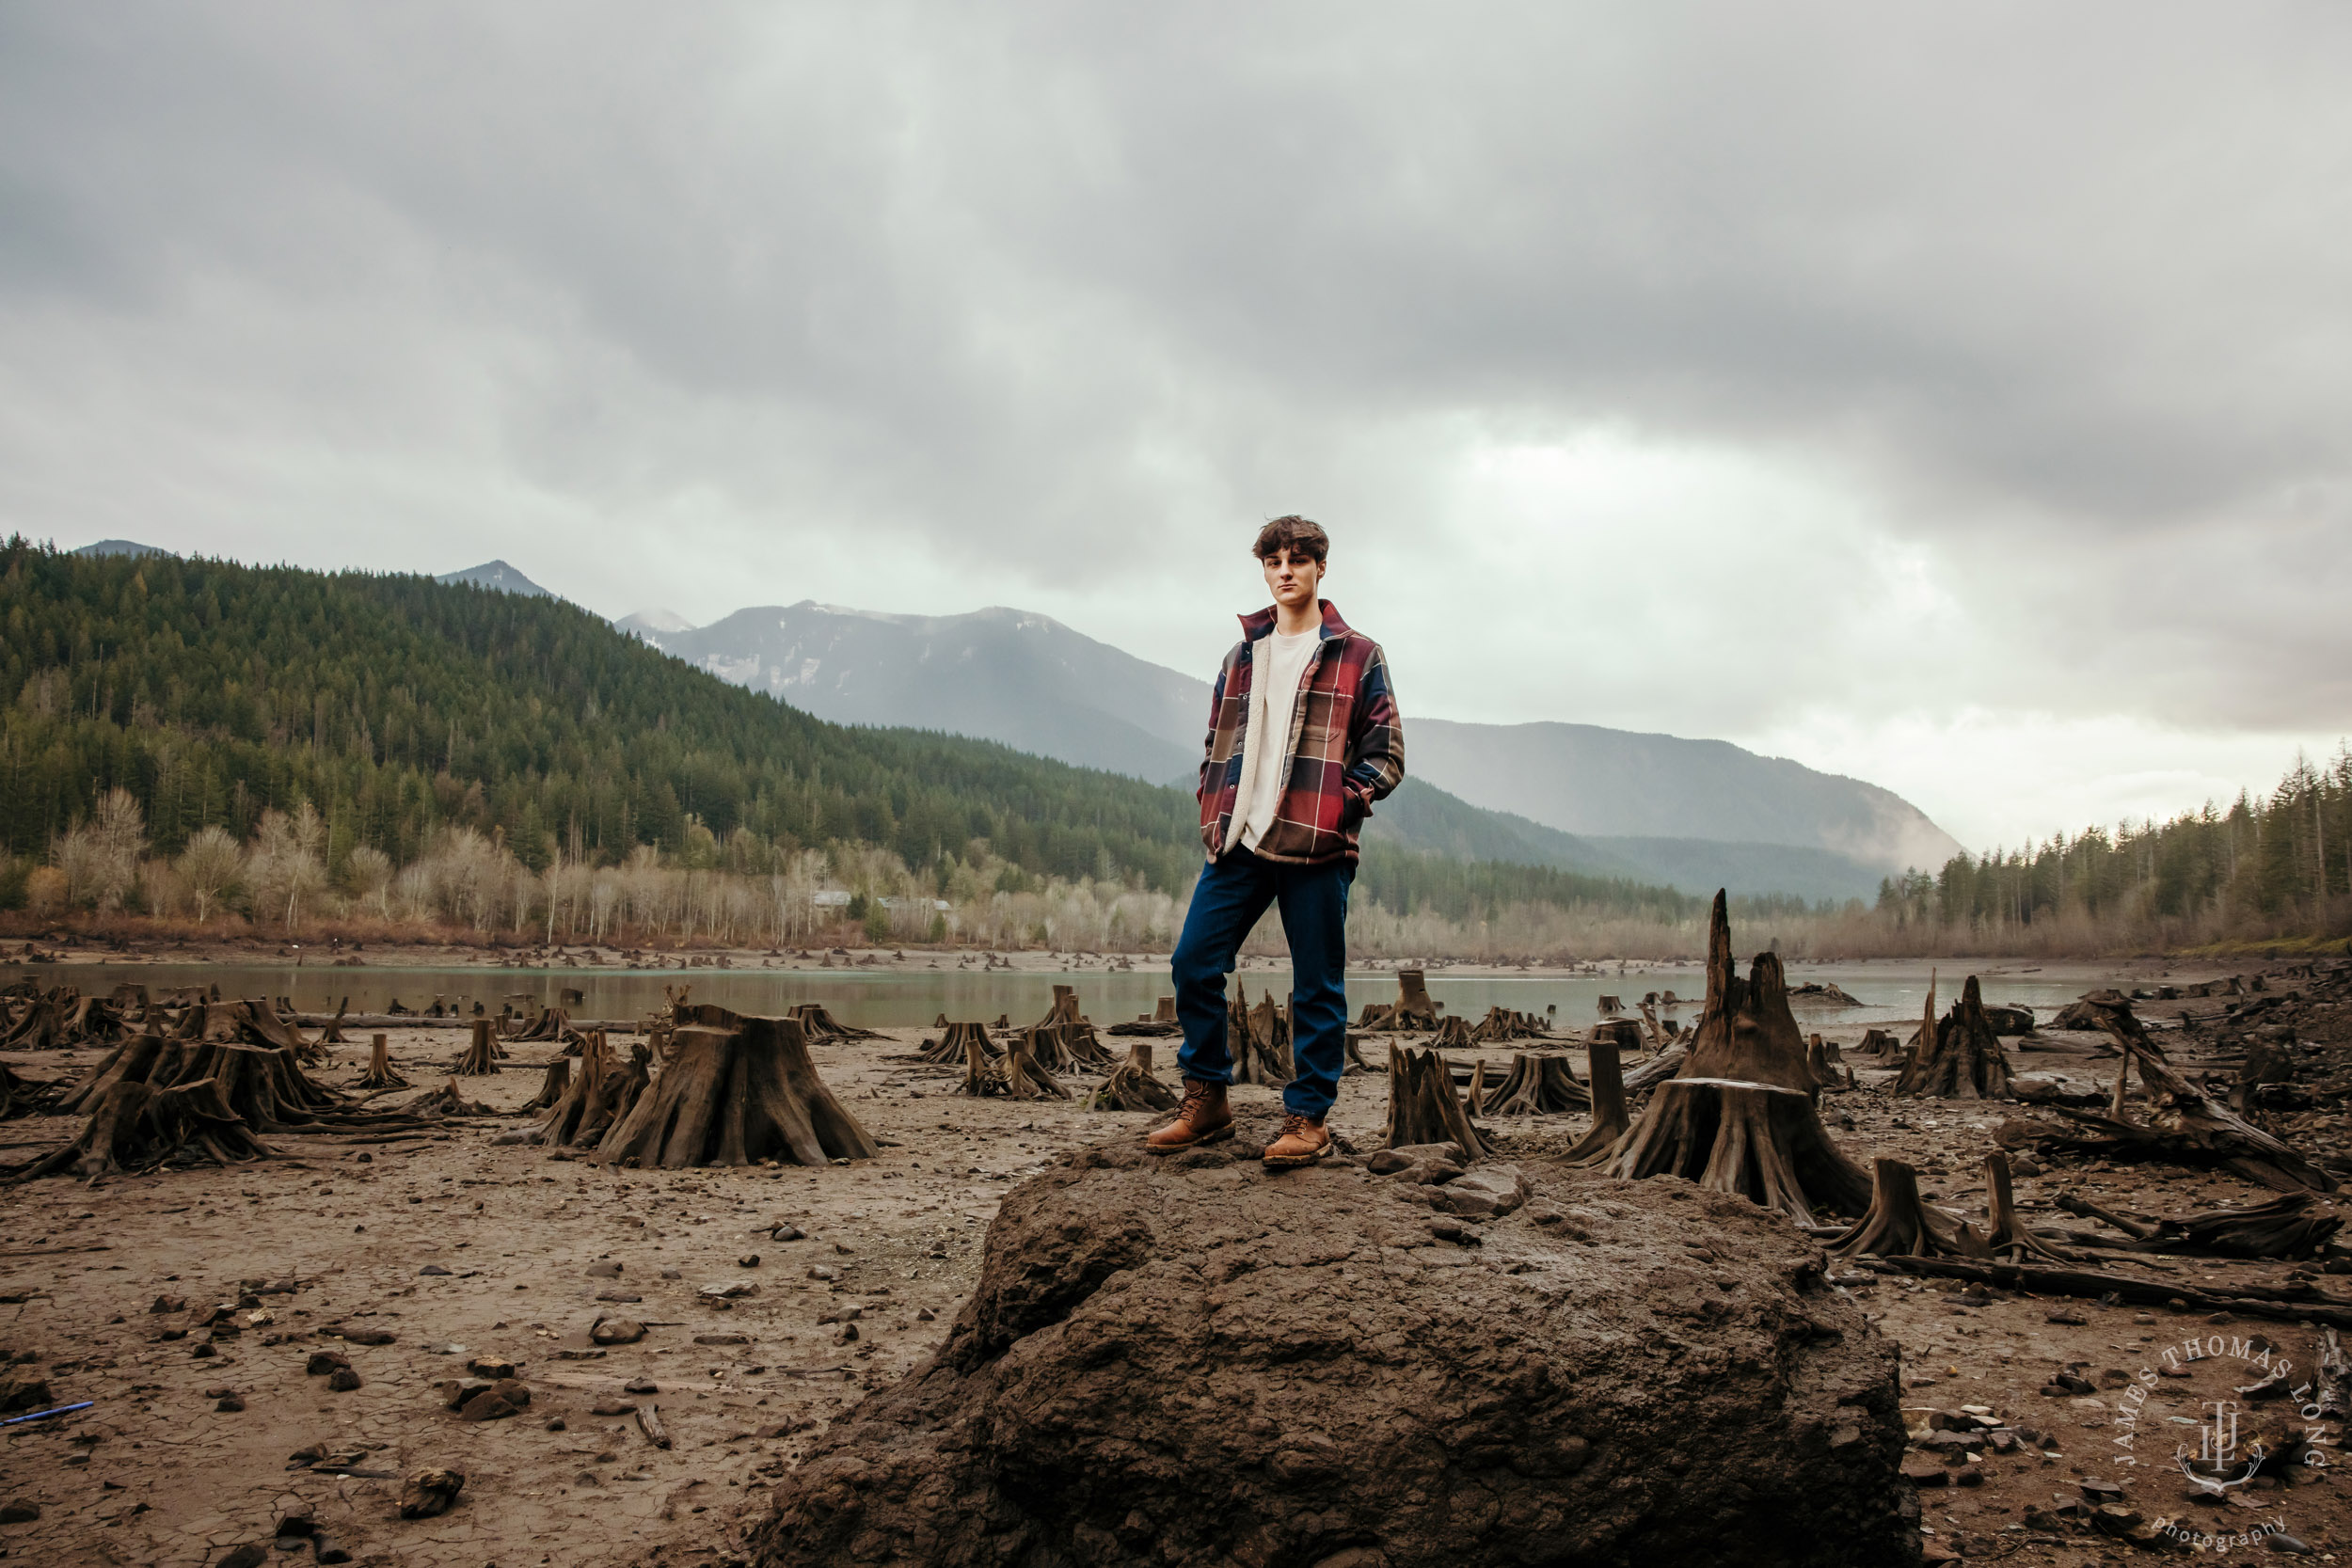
(2186,1126)
(2090,1286)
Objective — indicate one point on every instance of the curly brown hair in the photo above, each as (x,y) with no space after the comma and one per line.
(1293,533)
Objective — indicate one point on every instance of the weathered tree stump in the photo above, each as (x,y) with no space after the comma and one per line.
(1959,1057)
(1612,1005)
(138,1127)
(1453,1034)
(1414,1009)
(553,1087)
(22,1097)
(1900,1224)
(740,1089)
(1877,1042)
(602,1092)
(1131,1087)
(1423,1107)
(1739,1115)
(480,1058)
(1535,1087)
(2008,1236)
(1065,1007)
(380,1074)
(1608,1096)
(1166,1011)
(1259,1040)
(332,1033)
(818,1025)
(954,1043)
(447,1100)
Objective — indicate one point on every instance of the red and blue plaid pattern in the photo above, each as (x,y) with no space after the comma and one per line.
(1345,748)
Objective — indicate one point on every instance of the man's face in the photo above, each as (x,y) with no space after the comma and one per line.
(1292,575)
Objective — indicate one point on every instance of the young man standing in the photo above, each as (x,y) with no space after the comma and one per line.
(1303,738)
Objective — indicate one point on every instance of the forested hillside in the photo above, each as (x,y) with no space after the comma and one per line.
(395,704)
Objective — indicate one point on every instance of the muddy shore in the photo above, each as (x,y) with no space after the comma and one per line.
(463,1247)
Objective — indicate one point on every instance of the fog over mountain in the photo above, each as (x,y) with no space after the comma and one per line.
(1694,814)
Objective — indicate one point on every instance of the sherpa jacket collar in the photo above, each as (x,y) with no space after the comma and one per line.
(1258,622)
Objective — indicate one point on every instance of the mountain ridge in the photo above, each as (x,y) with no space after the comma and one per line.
(1695,815)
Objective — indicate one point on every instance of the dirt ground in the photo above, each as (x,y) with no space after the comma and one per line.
(462,1246)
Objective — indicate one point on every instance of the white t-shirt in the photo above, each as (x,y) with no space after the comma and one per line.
(1276,662)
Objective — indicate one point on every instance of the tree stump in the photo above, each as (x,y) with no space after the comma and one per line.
(602,1092)
(1131,1087)
(1414,1009)
(1355,1060)
(22,1097)
(1535,1087)
(2007,1235)
(738,1090)
(1612,1005)
(1608,1096)
(553,1087)
(1739,1115)
(138,1127)
(1453,1034)
(1423,1107)
(1065,1007)
(1877,1042)
(480,1058)
(954,1044)
(818,1025)
(380,1074)
(1959,1058)
(447,1100)
(1899,1224)
(1166,1011)
(333,1033)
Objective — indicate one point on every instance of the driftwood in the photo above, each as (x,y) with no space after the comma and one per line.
(1739,1115)
(2189,1126)
(1423,1107)
(2092,1285)
(738,1090)
(379,1074)
(1534,1086)
(1656,1071)
(1131,1085)
(1958,1057)
(2283,1227)
(479,1059)
(1608,1096)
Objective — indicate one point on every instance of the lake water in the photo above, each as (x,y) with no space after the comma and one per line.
(882,999)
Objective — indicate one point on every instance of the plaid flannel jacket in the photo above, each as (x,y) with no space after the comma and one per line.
(1345,748)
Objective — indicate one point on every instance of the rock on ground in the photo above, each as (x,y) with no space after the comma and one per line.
(1192,1361)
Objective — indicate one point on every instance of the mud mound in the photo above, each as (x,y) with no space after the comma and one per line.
(1188,1361)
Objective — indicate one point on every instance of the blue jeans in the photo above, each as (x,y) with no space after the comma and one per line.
(1232,893)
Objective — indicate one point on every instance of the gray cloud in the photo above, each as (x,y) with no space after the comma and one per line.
(2026,330)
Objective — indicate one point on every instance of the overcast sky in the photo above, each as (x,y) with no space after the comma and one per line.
(1960,397)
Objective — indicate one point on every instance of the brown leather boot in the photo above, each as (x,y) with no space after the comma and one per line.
(1303,1142)
(1202,1118)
